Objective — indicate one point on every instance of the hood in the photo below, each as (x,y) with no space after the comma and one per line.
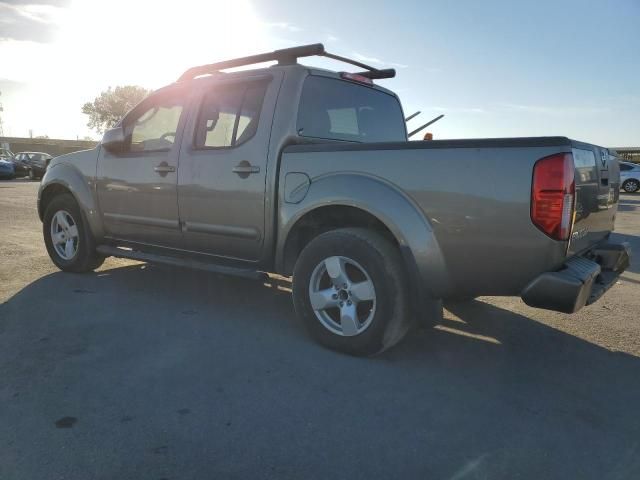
(73,157)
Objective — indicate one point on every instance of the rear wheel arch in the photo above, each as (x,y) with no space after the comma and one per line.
(326,218)
(399,217)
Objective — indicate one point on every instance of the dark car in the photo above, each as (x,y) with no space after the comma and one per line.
(20,168)
(33,164)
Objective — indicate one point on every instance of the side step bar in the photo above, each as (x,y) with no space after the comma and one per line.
(111,251)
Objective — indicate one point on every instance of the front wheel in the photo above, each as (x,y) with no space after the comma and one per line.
(351,291)
(68,240)
(631,186)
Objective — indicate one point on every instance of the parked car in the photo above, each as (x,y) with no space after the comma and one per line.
(7,170)
(308,172)
(630,177)
(19,165)
(33,164)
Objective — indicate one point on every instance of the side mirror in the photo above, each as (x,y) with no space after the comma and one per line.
(114,140)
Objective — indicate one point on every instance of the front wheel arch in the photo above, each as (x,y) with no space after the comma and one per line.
(48,194)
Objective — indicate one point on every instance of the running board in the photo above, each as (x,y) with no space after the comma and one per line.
(111,251)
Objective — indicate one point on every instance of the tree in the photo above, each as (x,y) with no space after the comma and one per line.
(112,104)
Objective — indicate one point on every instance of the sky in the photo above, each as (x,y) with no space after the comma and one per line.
(495,68)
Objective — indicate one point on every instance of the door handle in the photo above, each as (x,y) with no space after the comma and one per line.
(244,169)
(164,168)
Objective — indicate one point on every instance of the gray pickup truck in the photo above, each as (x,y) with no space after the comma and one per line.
(309,173)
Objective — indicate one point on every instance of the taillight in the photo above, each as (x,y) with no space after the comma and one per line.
(552,195)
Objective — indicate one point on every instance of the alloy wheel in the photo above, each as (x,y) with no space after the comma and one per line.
(64,235)
(342,295)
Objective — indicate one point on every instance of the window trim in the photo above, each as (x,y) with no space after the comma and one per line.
(142,107)
(245,84)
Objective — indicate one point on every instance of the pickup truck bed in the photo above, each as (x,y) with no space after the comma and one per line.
(475,196)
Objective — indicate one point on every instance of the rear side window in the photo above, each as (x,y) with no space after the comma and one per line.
(341,110)
(229,115)
(624,167)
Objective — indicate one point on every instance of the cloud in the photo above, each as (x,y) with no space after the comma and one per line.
(35,21)
(54,3)
(376,61)
(332,38)
(459,109)
(283,26)
(555,110)
(366,59)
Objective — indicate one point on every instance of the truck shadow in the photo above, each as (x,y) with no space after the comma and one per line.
(486,394)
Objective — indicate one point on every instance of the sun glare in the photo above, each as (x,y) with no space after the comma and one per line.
(120,42)
(150,42)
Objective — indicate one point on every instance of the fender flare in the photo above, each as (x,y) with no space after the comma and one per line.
(70,178)
(399,213)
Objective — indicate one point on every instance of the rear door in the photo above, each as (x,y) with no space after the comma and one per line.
(223,167)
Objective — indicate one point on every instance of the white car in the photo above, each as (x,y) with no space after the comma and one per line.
(629,177)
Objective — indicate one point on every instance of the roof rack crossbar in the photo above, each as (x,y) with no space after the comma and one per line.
(285,56)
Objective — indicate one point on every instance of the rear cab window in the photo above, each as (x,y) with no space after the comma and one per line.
(336,109)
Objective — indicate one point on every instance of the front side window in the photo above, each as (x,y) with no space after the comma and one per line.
(229,115)
(153,127)
(341,110)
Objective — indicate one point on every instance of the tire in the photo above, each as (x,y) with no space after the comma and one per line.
(361,257)
(82,256)
(631,186)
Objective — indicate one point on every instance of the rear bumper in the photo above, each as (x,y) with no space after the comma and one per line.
(581,281)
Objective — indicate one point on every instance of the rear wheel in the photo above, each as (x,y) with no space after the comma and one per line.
(631,186)
(351,291)
(67,238)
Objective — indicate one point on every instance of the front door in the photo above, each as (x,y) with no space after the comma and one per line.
(137,189)
(223,166)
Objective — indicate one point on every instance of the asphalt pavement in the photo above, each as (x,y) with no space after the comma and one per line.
(148,372)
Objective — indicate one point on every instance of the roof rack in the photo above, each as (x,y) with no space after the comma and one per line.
(286,56)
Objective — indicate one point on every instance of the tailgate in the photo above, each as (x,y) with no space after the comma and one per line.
(597,178)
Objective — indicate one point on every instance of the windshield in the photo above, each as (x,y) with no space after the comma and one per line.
(341,110)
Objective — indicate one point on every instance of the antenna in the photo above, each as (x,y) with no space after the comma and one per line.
(413,115)
(426,125)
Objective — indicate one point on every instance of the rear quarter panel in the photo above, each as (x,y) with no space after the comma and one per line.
(475,199)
